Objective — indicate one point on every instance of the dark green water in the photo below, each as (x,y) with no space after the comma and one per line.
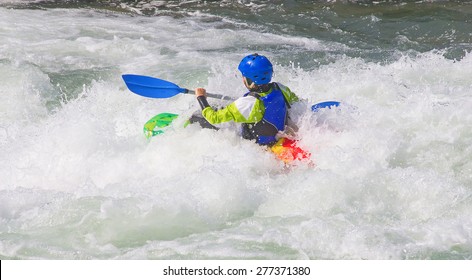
(378,31)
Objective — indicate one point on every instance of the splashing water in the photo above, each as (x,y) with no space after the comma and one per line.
(79,180)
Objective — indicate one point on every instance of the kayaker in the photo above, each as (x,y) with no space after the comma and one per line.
(263,111)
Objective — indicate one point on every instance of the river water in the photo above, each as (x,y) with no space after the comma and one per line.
(392,180)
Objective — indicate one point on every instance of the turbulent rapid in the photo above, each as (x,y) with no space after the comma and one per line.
(392,176)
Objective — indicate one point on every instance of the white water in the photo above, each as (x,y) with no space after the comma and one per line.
(78,180)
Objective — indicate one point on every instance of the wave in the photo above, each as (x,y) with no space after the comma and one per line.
(79,180)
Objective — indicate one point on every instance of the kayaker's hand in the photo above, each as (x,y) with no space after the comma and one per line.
(200,92)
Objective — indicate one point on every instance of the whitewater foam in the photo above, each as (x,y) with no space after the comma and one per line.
(79,180)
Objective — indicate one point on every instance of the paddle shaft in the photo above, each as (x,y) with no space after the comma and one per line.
(212,95)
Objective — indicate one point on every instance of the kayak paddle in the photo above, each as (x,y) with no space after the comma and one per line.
(151,127)
(156,88)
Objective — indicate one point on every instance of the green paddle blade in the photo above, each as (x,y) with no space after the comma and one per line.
(151,127)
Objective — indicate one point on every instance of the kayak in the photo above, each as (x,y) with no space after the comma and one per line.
(286,150)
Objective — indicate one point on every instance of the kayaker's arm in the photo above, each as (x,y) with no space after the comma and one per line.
(202,100)
(243,110)
(201,97)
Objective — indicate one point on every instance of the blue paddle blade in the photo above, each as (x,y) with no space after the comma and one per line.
(326,104)
(151,87)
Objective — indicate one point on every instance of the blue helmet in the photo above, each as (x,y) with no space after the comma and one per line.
(257,68)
